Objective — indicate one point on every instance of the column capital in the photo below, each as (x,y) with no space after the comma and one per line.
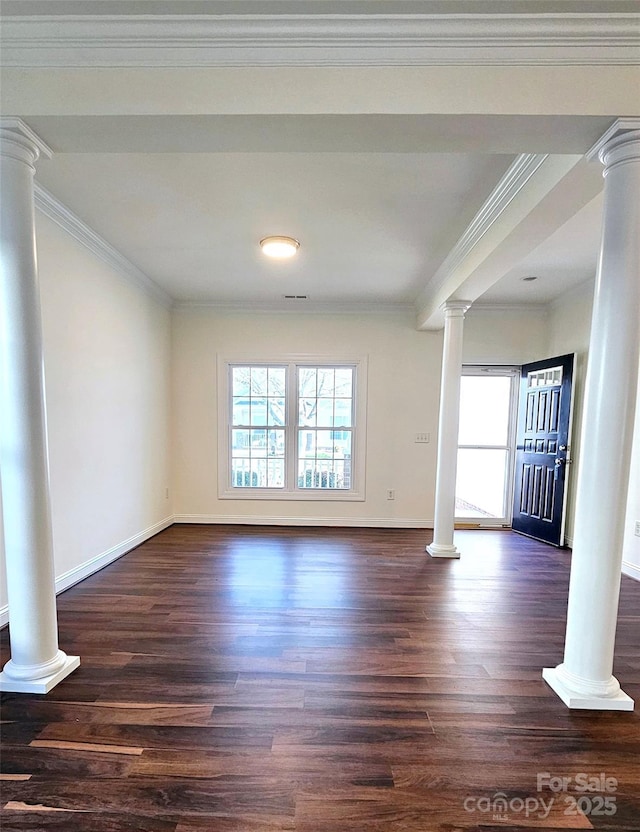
(19,141)
(455,308)
(620,143)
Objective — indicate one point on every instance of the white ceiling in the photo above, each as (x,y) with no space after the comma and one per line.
(566,258)
(379,183)
(376,201)
(371,225)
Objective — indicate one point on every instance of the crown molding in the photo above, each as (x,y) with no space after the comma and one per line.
(516,177)
(51,207)
(297,308)
(582,38)
(501,306)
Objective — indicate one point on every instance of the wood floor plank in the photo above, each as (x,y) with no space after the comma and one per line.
(360,687)
(16,820)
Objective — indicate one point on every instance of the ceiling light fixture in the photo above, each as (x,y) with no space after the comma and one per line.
(279,247)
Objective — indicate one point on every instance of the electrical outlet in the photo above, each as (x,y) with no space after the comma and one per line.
(391,494)
(637,532)
(422,438)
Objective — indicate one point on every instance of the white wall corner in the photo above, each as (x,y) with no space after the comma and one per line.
(51,207)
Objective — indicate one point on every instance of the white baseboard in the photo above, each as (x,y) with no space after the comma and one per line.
(263,520)
(95,564)
(631,570)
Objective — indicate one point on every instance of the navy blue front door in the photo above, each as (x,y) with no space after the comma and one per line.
(544,422)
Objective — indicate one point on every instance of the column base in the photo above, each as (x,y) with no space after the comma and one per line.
(437,550)
(585,701)
(42,685)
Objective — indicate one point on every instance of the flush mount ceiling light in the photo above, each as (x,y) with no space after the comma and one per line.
(279,247)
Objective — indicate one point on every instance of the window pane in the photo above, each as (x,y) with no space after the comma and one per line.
(480,483)
(241,473)
(240,443)
(324,459)
(343,413)
(241,410)
(258,443)
(258,411)
(307,382)
(344,381)
(545,378)
(276,378)
(320,475)
(258,381)
(259,473)
(324,474)
(275,473)
(325,412)
(307,444)
(326,382)
(275,411)
(307,409)
(275,440)
(324,439)
(341,443)
(484,410)
(240,381)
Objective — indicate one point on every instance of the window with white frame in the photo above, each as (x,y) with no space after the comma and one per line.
(292,429)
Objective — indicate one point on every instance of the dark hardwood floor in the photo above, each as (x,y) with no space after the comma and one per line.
(254,679)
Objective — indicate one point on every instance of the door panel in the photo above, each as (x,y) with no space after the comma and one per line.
(542,453)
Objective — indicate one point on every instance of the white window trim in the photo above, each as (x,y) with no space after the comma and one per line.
(358,470)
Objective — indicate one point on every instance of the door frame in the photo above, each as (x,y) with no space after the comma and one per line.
(485,371)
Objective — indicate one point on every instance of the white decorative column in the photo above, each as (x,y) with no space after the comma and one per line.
(36,663)
(584,679)
(449,418)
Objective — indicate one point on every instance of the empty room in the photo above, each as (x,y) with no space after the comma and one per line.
(319,422)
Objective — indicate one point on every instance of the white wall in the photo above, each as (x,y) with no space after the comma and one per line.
(107,366)
(505,335)
(403,382)
(569,330)
(403,367)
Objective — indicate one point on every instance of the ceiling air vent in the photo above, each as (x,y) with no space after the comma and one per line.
(296,297)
